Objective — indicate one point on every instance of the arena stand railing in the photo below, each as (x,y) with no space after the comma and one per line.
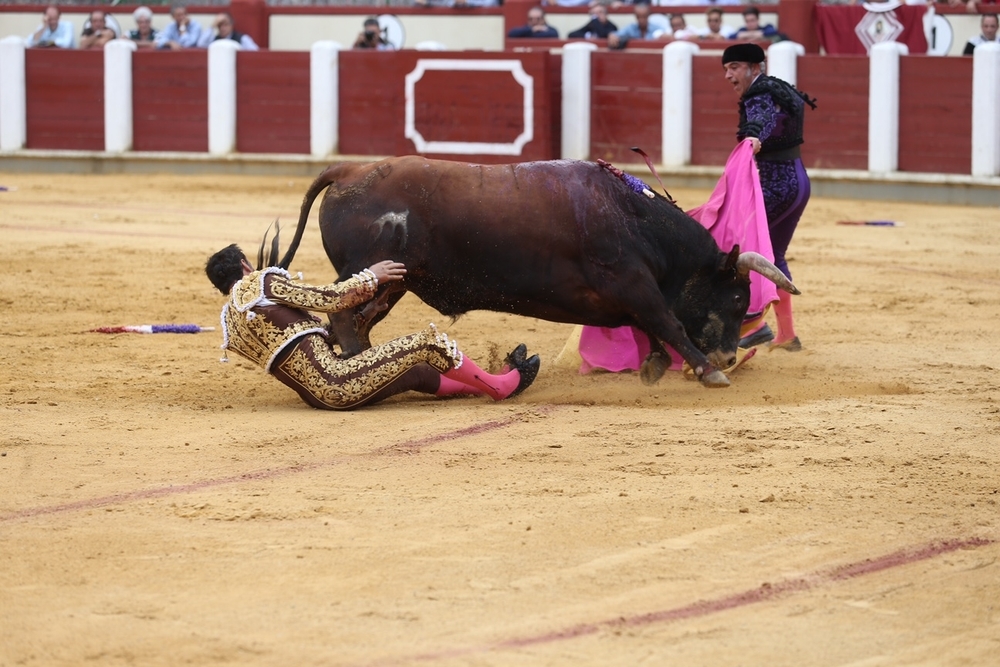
(490,105)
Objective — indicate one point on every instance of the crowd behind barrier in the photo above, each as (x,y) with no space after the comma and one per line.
(581,99)
(296,27)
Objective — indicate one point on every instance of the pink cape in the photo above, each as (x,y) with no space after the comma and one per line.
(734,214)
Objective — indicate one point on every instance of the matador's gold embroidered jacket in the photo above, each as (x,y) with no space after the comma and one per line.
(267,311)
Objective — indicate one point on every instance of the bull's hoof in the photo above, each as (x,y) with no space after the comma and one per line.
(528,370)
(715,379)
(652,369)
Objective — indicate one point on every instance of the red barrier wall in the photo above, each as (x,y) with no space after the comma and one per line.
(469,106)
(625,105)
(555,104)
(836,132)
(272,102)
(64,99)
(170,100)
(714,112)
(935,114)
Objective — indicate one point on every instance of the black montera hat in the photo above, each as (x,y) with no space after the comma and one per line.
(743,53)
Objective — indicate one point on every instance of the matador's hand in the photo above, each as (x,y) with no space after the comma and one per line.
(388,271)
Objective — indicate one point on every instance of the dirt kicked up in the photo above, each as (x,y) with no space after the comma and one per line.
(834,506)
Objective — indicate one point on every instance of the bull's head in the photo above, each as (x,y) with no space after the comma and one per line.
(713,308)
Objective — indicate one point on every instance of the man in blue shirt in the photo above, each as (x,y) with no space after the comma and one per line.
(183,33)
(641,29)
(753,30)
(53,32)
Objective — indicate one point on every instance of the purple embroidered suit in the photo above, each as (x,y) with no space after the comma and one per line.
(773,111)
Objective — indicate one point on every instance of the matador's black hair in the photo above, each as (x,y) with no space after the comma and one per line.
(225,268)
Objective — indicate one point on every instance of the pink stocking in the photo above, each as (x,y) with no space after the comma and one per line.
(783,311)
(498,387)
(451,387)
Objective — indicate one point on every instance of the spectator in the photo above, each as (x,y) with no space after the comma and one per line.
(144,36)
(457,4)
(53,31)
(988,26)
(96,32)
(641,29)
(679,28)
(716,30)
(599,25)
(971,6)
(224,28)
(371,37)
(753,30)
(183,33)
(536,26)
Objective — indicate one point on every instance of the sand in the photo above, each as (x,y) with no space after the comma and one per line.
(836,506)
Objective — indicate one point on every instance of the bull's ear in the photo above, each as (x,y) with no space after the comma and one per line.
(731,259)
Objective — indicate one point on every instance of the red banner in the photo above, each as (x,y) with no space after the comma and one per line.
(854,29)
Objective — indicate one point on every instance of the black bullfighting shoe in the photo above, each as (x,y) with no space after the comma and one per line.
(517,356)
(793,345)
(528,369)
(758,337)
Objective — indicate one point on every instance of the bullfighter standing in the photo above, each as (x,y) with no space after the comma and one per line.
(265,320)
(771,116)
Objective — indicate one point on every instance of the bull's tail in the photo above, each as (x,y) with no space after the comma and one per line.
(323,181)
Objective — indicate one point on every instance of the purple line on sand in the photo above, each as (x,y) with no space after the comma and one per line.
(763,593)
(268,473)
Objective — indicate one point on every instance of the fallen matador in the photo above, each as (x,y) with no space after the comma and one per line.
(265,319)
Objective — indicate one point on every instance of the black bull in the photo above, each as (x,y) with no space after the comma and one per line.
(564,241)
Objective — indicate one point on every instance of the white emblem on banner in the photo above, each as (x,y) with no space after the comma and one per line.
(875,28)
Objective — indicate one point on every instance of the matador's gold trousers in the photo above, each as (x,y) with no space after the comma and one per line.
(326,381)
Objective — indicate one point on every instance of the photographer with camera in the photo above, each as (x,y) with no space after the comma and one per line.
(371,37)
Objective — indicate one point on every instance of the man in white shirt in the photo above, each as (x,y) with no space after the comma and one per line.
(716,30)
(224,28)
(988,26)
(53,32)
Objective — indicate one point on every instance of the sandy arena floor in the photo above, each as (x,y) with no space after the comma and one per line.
(838,506)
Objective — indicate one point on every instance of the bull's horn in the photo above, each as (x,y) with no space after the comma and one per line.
(752,261)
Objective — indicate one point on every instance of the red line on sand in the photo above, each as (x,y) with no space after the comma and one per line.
(764,593)
(268,473)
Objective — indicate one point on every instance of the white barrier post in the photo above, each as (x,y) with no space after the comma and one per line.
(883,106)
(222,96)
(675,119)
(13,97)
(118,95)
(783,61)
(986,110)
(324,87)
(576,100)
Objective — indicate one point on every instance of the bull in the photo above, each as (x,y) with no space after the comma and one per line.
(564,240)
